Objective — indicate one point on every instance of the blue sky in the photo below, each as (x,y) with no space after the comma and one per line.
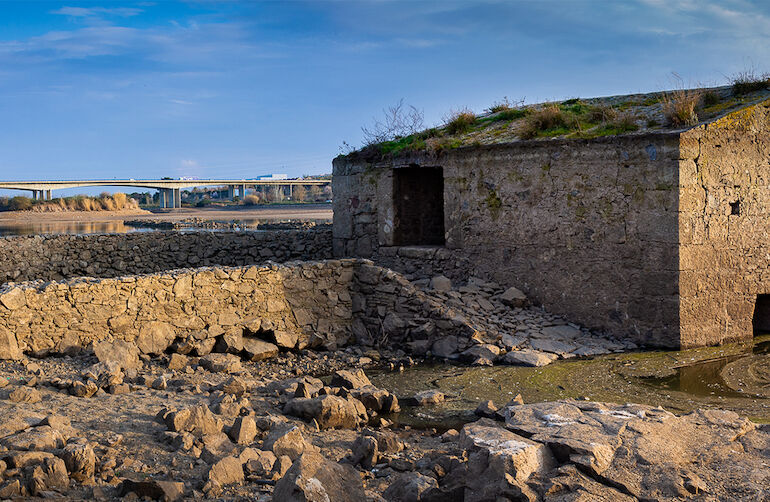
(236,89)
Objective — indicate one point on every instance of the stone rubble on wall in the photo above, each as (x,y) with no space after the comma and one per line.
(56,257)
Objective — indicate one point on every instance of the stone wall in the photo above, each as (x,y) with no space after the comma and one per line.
(587,228)
(55,257)
(724,224)
(295,305)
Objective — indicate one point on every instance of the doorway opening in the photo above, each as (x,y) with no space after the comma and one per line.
(418,200)
(761,318)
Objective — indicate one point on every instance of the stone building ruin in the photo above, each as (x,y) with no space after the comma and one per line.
(660,235)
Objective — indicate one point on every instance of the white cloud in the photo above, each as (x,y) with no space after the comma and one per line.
(86,12)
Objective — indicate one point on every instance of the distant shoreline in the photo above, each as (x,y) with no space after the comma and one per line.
(307,211)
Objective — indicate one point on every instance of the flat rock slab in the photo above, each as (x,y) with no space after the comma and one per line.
(646,452)
(528,357)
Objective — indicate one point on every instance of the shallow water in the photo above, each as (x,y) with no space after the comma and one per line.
(734,377)
(67,227)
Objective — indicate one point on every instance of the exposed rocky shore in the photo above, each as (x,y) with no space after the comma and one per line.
(113,423)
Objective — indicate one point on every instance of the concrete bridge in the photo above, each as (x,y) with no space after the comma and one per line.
(169,190)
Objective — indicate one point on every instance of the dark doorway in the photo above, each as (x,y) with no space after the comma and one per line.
(419,206)
(762,315)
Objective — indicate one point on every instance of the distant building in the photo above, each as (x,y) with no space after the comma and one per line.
(272,177)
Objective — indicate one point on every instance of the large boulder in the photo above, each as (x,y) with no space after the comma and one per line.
(513,298)
(313,478)
(155,337)
(227,471)
(500,462)
(410,487)
(9,347)
(125,354)
(330,412)
(286,440)
(529,357)
(350,379)
(257,350)
(167,491)
(80,460)
(197,420)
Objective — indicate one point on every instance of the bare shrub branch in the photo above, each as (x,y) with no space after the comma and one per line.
(398,121)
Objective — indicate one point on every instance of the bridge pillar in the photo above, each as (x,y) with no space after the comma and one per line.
(177,198)
(242,191)
(231,192)
(162,196)
(48,194)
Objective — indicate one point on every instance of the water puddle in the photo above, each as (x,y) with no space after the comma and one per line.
(734,377)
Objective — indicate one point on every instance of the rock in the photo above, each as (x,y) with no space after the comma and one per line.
(215,447)
(11,489)
(308,387)
(313,478)
(441,283)
(221,363)
(125,354)
(500,462)
(552,346)
(286,440)
(393,324)
(379,400)
(561,332)
(410,487)
(235,386)
(529,357)
(80,389)
(243,431)
(449,436)
(285,339)
(231,342)
(485,351)
(512,342)
(387,442)
(13,299)
(155,337)
(25,395)
(80,461)
(160,383)
(43,437)
(331,412)
(365,452)
(227,471)
(50,474)
(197,420)
(281,467)
(197,346)
(350,379)
(178,362)
(486,409)
(513,298)
(445,347)
(21,459)
(427,397)
(168,491)
(259,464)
(258,350)
(9,347)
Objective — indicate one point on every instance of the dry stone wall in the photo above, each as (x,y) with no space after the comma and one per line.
(293,305)
(586,228)
(56,257)
(724,224)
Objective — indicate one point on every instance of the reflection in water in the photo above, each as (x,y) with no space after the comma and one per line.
(67,227)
